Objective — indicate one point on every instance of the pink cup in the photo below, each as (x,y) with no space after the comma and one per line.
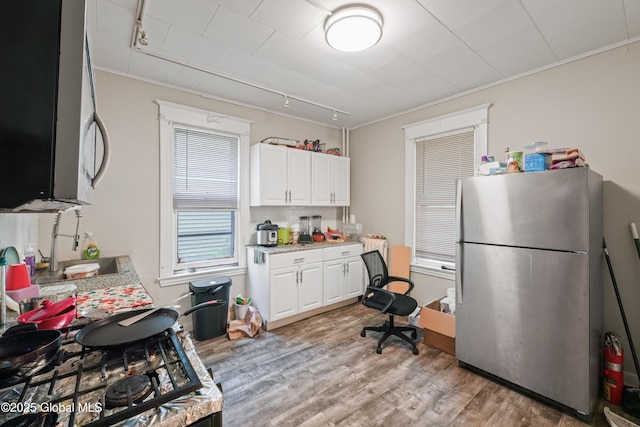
(17,277)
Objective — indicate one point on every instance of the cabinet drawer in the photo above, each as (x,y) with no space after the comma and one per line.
(295,258)
(342,251)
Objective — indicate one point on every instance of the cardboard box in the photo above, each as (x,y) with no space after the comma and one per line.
(439,328)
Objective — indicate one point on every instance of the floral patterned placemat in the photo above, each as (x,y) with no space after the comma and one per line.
(112,299)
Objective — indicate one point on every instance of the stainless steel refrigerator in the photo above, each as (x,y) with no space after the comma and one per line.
(529,282)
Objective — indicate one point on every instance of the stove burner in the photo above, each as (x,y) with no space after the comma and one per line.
(136,386)
(44,419)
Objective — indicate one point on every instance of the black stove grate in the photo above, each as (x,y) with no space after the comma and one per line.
(161,356)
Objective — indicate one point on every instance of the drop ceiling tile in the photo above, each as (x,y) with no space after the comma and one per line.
(632,11)
(427,88)
(292,18)
(152,68)
(518,53)
(287,81)
(331,71)
(496,25)
(388,98)
(432,40)
(401,18)
(238,31)
(462,68)
(187,78)
(572,27)
(398,71)
(198,49)
(370,59)
(110,52)
(190,15)
(244,7)
(454,14)
(284,51)
(114,19)
(237,63)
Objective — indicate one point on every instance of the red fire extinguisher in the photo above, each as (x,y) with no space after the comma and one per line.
(613,374)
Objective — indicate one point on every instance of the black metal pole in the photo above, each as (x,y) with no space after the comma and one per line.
(624,317)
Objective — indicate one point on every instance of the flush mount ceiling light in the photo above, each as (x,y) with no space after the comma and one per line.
(353,29)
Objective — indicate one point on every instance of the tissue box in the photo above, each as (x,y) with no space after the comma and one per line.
(536,162)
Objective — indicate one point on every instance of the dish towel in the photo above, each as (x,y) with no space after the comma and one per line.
(372,244)
(112,299)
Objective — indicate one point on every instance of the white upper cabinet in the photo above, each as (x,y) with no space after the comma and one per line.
(330,180)
(280,176)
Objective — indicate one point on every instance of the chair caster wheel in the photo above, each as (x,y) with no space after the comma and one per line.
(414,335)
(379,350)
(415,351)
(363,333)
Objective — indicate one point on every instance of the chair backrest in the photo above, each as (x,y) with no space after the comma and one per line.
(376,268)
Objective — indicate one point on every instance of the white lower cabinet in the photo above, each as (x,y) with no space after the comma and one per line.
(343,273)
(295,290)
(286,285)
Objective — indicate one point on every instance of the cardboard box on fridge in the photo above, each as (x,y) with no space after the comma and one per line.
(439,328)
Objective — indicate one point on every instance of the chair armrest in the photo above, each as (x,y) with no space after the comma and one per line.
(389,294)
(401,279)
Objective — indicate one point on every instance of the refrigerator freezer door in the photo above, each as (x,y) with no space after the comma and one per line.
(525,318)
(548,210)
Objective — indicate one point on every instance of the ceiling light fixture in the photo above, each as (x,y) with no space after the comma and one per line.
(353,29)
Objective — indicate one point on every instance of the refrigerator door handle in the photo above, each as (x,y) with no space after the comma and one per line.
(458,210)
(459,266)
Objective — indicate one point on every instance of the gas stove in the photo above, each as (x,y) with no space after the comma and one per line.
(147,383)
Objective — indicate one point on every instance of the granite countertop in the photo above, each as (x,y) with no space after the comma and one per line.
(303,247)
(126,276)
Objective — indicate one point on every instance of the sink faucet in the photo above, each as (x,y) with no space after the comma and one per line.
(53,261)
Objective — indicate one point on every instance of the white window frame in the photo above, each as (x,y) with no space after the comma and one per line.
(171,113)
(476,118)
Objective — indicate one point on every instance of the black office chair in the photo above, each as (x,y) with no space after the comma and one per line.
(386,301)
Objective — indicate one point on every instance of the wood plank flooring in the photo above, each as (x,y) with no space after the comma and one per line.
(321,372)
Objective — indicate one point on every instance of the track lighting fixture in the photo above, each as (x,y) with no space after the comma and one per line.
(286,101)
(335,115)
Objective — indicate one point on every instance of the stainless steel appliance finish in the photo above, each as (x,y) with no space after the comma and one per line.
(267,234)
(529,282)
(48,116)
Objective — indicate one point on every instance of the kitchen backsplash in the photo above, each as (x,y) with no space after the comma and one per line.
(18,230)
(288,216)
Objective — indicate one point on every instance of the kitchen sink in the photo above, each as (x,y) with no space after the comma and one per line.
(108,266)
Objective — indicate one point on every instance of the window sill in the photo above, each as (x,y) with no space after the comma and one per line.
(182,278)
(431,271)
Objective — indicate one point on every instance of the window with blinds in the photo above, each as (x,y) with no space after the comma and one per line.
(205,196)
(439,162)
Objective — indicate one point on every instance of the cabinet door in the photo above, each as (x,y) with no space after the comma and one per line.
(283,298)
(299,177)
(268,175)
(334,277)
(355,277)
(321,188)
(341,185)
(310,287)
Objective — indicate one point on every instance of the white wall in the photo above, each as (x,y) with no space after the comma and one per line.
(125,217)
(592,103)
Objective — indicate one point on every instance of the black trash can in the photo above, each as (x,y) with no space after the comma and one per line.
(210,322)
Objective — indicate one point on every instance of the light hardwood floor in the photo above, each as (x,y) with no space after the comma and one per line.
(321,372)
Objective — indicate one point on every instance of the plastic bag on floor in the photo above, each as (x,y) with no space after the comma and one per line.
(247,327)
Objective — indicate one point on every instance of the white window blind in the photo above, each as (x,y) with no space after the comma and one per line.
(205,169)
(439,162)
